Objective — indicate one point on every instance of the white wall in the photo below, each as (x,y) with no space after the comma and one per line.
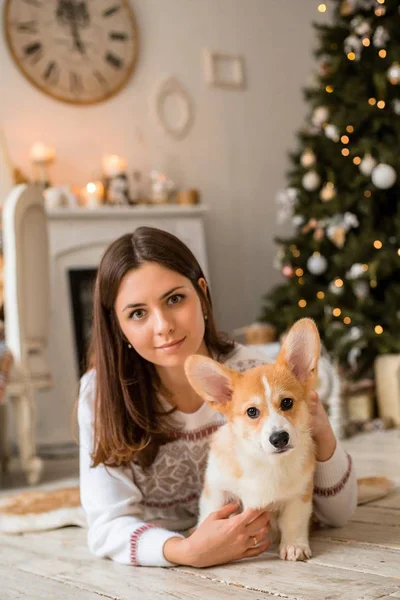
(236,153)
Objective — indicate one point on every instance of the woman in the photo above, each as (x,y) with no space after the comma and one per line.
(144,432)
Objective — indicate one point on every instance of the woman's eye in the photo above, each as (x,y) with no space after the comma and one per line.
(253,412)
(138,314)
(286,404)
(175,299)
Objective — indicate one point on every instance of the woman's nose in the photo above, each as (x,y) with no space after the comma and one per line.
(162,324)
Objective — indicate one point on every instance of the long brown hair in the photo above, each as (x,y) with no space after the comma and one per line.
(129,422)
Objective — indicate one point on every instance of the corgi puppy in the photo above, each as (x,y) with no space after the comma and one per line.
(264,455)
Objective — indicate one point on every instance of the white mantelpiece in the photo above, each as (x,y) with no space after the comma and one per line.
(78,238)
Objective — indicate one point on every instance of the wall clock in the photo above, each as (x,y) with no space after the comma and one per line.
(76,51)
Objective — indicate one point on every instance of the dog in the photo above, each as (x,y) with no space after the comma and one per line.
(264,454)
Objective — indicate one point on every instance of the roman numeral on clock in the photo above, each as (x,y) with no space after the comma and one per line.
(100,78)
(34,51)
(111,11)
(27,27)
(75,83)
(115,61)
(52,73)
(120,37)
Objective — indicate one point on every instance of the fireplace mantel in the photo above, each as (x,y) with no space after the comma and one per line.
(77,240)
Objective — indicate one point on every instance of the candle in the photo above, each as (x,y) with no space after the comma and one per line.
(93,194)
(113,165)
(41,153)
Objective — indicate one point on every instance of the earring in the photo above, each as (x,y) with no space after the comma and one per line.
(205,317)
(130,346)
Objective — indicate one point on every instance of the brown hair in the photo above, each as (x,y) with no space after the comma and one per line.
(129,422)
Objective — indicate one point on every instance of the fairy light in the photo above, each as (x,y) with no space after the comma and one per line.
(329,89)
(380,1)
(322,8)
(366,42)
(379,12)
(344,139)
(320,295)
(336,312)
(339,282)
(347,320)
(350,129)
(378,329)
(356,160)
(299,272)
(301,281)
(372,101)
(381,104)
(378,244)
(382,53)
(302,303)
(345,151)
(351,56)
(368,193)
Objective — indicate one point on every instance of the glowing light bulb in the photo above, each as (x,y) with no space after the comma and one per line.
(302,303)
(347,320)
(378,244)
(336,312)
(344,139)
(322,8)
(320,295)
(378,329)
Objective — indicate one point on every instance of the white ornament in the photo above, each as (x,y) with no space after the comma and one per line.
(353,44)
(360,26)
(361,289)
(396,106)
(353,356)
(298,220)
(380,38)
(286,200)
(311,181)
(320,116)
(350,221)
(367,164)
(355,333)
(355,271)
(307,159)
(328,192)
(384,176)
(393,73)
(317,264)
(332,132)
(334,289)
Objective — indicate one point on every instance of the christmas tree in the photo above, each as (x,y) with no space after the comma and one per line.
(342,263)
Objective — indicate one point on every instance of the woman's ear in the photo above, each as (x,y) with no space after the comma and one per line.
(203,284)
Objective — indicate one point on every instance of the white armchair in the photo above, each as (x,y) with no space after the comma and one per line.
(26,308)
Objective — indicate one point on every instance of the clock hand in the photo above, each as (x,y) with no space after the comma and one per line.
(74,16)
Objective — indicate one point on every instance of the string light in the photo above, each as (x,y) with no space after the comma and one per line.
(299,272)
(372,101)
(381,104)
(382,53)
(380,11)
(345,151)
(356,160)
(351,56)
(336,312)
(321,295)
(339,282)
(368,193)
(322,8)
(347,320)
(302,303)
(366,42)
(329,89)
(349,128)
(301,280)
(344,139)
(380,1)
(378,244)
(378,329)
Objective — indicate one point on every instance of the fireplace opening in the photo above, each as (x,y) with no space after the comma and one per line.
(81,283)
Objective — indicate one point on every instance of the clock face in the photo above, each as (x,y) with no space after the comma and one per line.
(74,50)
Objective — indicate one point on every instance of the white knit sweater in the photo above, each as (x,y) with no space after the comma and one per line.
(132,513)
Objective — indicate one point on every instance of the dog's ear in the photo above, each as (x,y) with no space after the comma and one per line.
(301,349)
(212,381)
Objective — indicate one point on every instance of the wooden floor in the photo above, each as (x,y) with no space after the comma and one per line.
(358,562)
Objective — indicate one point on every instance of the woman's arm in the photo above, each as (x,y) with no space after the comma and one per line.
(335,483)
(111,501)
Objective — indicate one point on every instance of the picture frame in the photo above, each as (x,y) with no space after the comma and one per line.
(224,70)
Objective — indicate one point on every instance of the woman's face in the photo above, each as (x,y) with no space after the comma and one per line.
(161,315)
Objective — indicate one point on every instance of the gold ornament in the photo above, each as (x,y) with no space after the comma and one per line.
(328,192)
(339,237)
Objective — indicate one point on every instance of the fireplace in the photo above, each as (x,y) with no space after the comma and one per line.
(81,284)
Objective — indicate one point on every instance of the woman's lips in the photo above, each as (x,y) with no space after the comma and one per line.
(173,347)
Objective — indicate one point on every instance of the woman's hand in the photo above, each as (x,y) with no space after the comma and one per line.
(325,440)
(220,540)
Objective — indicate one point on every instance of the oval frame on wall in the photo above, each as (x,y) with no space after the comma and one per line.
(174,108)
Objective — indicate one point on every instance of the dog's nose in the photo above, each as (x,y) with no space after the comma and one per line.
(279,439)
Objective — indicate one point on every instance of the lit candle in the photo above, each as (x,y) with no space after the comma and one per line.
(41,153)
(93,194)
(113,165)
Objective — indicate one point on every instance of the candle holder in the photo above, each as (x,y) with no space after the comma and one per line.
(42,157)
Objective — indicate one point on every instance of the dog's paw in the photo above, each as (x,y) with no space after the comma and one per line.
(295,551)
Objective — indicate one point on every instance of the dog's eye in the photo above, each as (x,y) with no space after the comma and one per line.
(286,404)
(253,412)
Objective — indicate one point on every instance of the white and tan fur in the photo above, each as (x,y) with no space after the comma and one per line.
(243,463)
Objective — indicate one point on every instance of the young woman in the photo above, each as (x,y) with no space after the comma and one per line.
(144,432)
